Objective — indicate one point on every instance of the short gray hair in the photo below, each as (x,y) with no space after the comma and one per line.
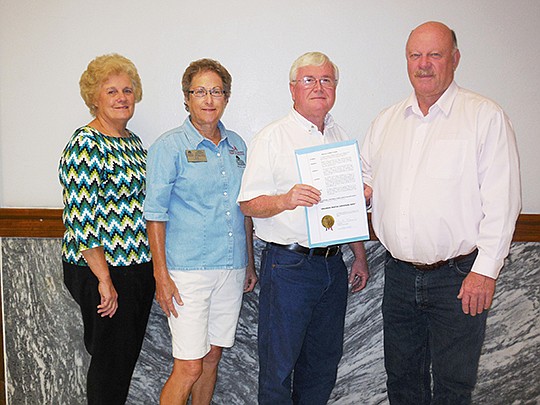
(311,59)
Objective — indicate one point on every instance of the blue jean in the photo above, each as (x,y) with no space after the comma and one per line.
(424,326)
(302,306)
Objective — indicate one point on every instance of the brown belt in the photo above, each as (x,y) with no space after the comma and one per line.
(434,266)
(319,251)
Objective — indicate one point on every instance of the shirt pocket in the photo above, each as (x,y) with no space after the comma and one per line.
(446,159)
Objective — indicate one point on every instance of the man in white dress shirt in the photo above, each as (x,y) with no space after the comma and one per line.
(444,171)
(303,294)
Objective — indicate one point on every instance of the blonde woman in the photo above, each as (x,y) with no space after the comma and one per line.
(105,251)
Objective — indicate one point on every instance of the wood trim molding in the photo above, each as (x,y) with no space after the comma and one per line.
(47,223)
(31,223)
(527,228)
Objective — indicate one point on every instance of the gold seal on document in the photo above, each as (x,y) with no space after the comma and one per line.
(328,222)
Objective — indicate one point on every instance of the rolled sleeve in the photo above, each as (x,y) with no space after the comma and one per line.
(258,179)
(161,173)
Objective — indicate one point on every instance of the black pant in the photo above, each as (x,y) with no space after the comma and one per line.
(114,343)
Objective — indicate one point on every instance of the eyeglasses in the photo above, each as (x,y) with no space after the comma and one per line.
(202,92)
(310,81)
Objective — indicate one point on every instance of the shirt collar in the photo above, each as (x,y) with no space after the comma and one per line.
(195,138)
(444,103)
(308,125)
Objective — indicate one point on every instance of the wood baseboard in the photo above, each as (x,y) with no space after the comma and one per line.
(47,223)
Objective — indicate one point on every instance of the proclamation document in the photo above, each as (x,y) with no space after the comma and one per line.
(334,169)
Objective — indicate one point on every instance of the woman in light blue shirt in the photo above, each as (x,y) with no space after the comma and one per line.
(201,243)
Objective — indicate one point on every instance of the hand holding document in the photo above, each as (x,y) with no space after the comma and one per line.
(334,169)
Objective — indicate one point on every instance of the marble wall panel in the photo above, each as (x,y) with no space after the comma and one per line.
(46,361)
(45,357)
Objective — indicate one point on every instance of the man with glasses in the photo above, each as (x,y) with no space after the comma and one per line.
(444,169)
(303,291)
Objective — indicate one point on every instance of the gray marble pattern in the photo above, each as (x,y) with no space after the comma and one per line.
(46,361)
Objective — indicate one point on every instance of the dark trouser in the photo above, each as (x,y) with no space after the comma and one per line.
(424,325)
(302,307)
(114,343)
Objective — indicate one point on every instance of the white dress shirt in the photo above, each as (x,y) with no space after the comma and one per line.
(272,170)
(446,183)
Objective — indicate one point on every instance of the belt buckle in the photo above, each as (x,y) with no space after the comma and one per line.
(329,249)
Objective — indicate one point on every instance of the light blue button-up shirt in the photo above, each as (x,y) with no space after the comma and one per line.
(197,199)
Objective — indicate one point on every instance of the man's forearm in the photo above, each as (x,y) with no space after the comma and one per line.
(358,250)
(264,206)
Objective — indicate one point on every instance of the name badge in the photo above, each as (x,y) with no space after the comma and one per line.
(196,155)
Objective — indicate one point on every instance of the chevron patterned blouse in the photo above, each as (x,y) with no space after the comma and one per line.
(103,180)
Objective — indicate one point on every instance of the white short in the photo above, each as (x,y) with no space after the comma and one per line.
(212,301)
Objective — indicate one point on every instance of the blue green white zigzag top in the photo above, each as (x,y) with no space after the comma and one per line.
(103,180)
